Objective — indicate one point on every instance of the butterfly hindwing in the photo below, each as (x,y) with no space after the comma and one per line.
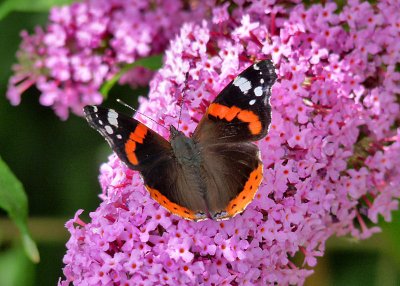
(234,173)
(176,192)
(240,114)
(142,149)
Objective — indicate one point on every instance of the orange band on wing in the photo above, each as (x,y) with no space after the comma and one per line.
(139,133)
(232,113)
(229,113)
(130,147)
(218,110)
(255,127)
(253,120)
(136,136)
(247,116)
(133,136)
(238,204)
(141,130)
(170,206)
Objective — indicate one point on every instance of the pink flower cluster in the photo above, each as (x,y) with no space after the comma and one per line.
(85,44)
(331,158)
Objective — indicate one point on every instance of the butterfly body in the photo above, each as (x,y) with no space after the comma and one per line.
(214,173)
(186,151)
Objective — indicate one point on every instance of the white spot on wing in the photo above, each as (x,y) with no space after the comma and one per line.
(95,109)
(262,80)
(251,102)
(256,67)
(112,113)
(238,81)
(243,83)
(119,136)
(100,122)
(109,129)
(112,118)
(258,91)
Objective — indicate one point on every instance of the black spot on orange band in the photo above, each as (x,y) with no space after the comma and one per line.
(238,204)
(173,207)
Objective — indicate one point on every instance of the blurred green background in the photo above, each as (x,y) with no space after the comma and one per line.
(58,164)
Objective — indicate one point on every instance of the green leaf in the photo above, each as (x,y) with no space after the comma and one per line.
(14,201)
(151,63)
(15,267)
(9,6)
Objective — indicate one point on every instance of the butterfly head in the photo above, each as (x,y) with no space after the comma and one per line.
(173,132)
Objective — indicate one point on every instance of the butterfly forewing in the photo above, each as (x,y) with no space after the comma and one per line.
(242,111)
(136,145)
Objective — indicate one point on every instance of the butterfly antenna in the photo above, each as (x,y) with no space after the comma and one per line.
(182,100)
(130,107)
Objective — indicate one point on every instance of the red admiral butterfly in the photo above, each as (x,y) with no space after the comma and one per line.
(216,172)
